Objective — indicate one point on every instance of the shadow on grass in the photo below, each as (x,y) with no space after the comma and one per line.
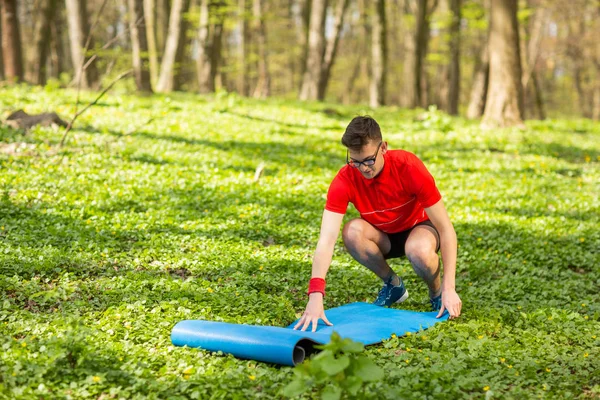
(71,238)
(290,125)
(590,216)
(515,265)
(79,356)
(76,356)
(29,228)
(83,362)
(576,127)
(569,153)
(301,155)
(225,165)
(272,152)
(147,159)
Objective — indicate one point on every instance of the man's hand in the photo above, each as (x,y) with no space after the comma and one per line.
(450,302)
(314,311)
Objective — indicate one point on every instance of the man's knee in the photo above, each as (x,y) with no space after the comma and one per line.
(353,232)
(422,253)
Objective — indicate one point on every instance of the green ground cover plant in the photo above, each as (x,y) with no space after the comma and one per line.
(150,214)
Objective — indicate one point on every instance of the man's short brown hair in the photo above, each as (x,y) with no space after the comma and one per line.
(360,131)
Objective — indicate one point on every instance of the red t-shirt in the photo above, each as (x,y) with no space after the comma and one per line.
(394,200)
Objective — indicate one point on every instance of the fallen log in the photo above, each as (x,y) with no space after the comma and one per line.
(21,120)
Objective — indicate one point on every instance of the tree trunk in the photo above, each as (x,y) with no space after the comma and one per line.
(409,84)
(291,60)
(57,50)
(346,95)
(539,100)
(139,45)
(378,56)
(361,63)
(150,19)
(596,59)
(306,11)
(42,35)
(163,12)
(79,31)
(415,53)
(215,54)
(210,38)
(203,66)
(532,49)
(1,58)
(316,46)
(11,42)
(362,91)
(581,94)
(530,52)
(480,83)
(242,78)
(263,86)
(596,110)
(423,45)
(179,70)
(454,67)
(165,82)
(504,103)
(331,47)
(577,51)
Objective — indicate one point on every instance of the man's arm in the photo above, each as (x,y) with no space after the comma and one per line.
(330,229)
(448,244)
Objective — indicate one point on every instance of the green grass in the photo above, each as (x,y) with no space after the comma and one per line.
(135,225)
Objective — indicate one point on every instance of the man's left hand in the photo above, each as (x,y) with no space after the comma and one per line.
(450,302)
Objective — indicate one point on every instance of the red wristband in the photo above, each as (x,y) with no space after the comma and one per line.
(316,285)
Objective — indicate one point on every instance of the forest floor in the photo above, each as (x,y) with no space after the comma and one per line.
(150,214)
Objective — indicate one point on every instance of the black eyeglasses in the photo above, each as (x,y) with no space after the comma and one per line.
(368,162)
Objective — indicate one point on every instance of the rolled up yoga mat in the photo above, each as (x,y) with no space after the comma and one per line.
(361,322)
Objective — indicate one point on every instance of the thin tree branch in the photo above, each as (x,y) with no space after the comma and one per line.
(137,128)
(70,125)
(96,21)
(110,42)
(84,65)
(431,8)
(109,67)
(85,49)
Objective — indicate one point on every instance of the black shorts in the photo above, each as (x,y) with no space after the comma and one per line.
(398,240)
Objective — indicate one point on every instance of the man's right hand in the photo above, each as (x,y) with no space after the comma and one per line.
(314,311)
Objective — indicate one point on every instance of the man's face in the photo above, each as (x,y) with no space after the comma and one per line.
(372,151)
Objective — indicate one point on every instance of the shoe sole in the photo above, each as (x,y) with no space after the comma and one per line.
(404,297)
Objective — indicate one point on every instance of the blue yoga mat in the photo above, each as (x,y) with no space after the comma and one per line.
(361,322)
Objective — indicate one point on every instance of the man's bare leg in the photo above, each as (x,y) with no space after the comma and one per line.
(421,252)
(368,245)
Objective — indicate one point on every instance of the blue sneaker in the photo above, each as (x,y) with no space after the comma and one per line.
(390,294)
(436,303)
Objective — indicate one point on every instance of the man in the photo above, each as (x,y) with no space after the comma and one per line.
(401,213)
